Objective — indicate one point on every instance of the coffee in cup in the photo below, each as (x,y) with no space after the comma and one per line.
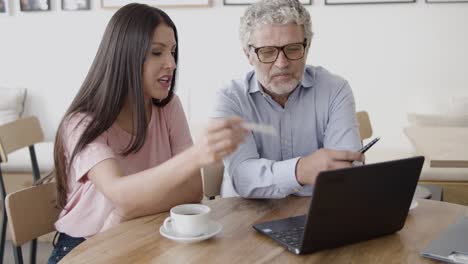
(189,219)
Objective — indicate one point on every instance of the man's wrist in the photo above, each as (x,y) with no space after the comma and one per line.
(298,173)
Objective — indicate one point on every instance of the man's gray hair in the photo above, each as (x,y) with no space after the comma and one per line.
(266,12)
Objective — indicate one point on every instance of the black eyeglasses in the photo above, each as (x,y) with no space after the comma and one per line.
(269,54)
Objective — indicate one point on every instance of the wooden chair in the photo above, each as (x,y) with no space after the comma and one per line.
(24,132)
(212,175)
(365,128)
(32,213)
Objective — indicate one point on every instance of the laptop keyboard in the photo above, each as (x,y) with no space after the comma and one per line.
(291,237)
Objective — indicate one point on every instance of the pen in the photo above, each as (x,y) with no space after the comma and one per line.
(370,144)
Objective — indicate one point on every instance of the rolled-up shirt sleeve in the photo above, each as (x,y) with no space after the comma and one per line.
(254,177)
(92,154)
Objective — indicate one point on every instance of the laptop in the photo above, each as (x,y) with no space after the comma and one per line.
(349,206)
(452,245)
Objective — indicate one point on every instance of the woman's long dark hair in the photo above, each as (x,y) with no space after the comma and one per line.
(116,73)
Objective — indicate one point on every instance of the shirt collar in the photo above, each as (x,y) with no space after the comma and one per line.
(307,80)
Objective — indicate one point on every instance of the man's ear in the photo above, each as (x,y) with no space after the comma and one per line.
(248,55)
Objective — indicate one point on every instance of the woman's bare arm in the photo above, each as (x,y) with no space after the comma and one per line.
(173,182)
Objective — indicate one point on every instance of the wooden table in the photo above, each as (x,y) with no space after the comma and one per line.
(445,147)
(139,241)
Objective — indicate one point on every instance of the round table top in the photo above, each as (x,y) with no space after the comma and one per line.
(139,240)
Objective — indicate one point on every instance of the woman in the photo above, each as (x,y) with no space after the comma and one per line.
(123,149)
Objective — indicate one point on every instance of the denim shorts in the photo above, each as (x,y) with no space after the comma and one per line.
(62,246)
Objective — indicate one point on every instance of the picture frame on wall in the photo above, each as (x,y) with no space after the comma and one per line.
(249,2)
(357,2)
(76,5)
(34,5)
(445,1)
(158,3)
(3,7)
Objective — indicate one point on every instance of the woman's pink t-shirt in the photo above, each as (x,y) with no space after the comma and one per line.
(88,211)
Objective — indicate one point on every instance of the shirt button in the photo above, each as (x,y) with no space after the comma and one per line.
(65,248)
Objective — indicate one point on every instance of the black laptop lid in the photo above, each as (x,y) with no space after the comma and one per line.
(360,203)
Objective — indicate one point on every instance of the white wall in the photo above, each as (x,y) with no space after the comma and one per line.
(397,57)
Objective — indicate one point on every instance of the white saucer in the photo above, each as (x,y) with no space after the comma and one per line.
(414,204)
(214,229)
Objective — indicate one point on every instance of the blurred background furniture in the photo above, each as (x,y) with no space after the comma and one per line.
(32,212)
(18,134)
(443,147)
(17,102)
(446,152)
(365,127)
(212,177)
(14,103)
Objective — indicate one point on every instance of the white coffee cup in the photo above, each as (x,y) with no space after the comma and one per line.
(189,219)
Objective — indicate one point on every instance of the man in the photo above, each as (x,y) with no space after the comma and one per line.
(312,110)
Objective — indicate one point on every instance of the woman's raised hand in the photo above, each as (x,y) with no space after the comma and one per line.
(220,138)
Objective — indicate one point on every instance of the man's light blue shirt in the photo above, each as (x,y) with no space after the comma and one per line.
(319,113)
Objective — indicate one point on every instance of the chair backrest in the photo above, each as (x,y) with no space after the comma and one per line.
(18,134)
(32,212)
(212,175)
(365,128)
